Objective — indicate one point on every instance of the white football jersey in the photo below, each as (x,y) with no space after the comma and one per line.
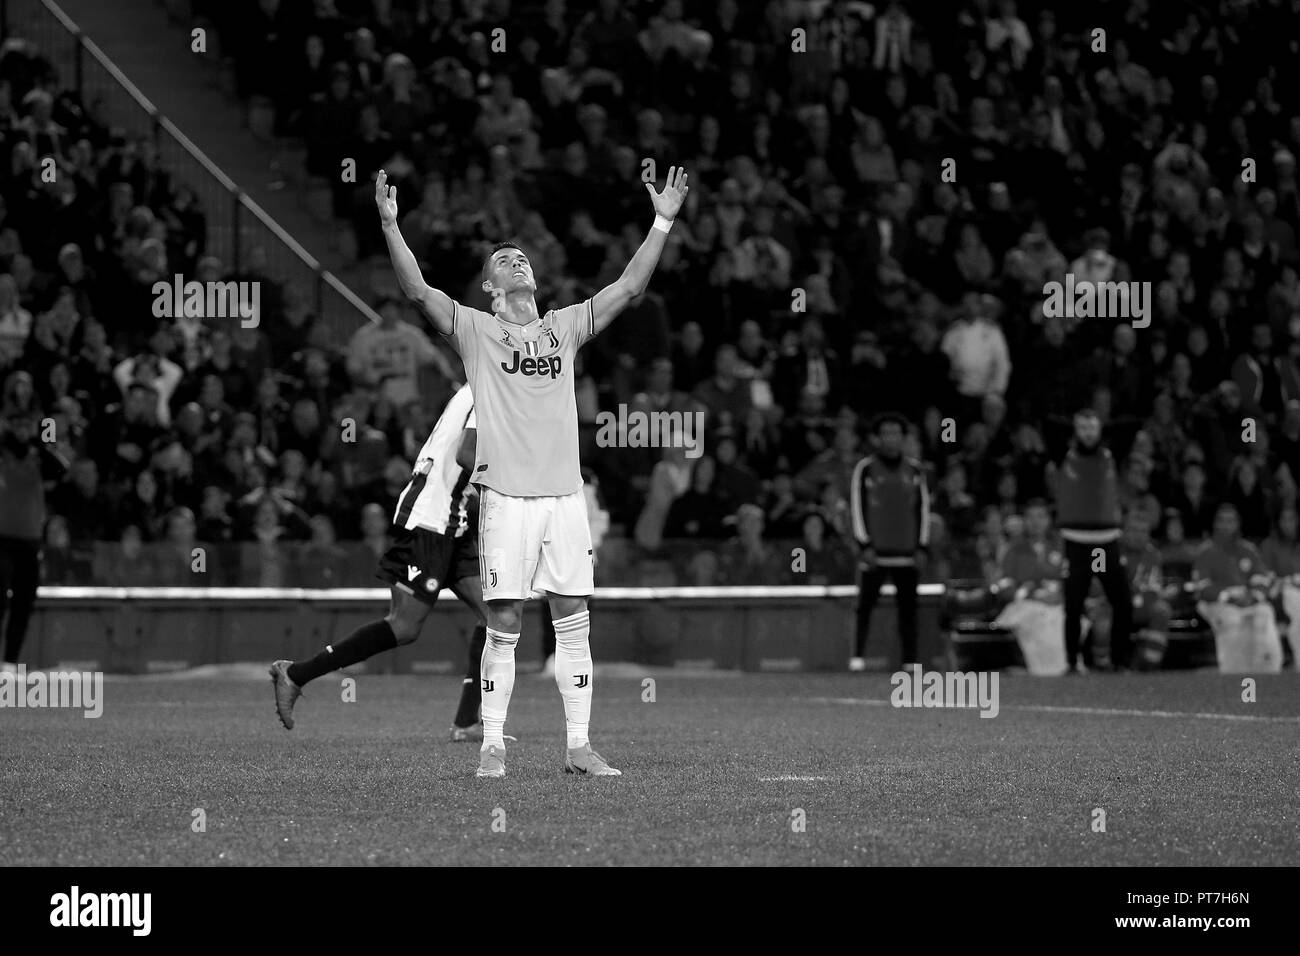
(522,378)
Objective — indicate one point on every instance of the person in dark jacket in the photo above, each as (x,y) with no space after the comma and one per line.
(26,464)
(890,506)
(1088,514)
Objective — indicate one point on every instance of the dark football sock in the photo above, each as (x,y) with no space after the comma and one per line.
(471,691)
(548,631)
(365,642)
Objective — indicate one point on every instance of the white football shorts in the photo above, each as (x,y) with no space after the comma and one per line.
(534,545)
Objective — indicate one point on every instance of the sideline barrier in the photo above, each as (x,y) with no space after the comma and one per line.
(151,630)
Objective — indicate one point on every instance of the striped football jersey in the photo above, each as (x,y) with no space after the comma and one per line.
(437,496)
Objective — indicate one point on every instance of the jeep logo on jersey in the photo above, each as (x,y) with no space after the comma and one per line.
(545,367)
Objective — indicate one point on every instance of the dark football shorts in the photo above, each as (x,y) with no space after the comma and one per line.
(423,562)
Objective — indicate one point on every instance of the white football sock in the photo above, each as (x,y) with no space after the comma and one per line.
(573,673)
(497,671)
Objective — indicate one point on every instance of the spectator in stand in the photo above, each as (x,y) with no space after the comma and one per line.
(127,563)
(748,560)
(977,350)
(827,559)
(1029,579)
(835,465)
(322,560)
(214,522)
(15,323)
(726,397)
(359,570)
(389,355)
(807,367)
(1281,554)
(701,511)
(1194,505)
(80,502)
(1247,495)
(1233,583)
(782,510)
(182,559)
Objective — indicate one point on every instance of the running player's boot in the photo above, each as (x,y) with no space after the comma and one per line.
(491,762)
(286,692)
(857,664)
(463,735)
(584,760)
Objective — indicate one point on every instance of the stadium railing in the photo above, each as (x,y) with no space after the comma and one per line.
(237,226)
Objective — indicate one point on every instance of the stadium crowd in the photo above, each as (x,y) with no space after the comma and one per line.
(877,202)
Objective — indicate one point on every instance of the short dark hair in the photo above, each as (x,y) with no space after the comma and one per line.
(495,249)
(888,418)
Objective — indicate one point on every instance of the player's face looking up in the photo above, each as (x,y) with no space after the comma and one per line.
(509,270)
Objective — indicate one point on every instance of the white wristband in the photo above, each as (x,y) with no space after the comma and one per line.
(662,224)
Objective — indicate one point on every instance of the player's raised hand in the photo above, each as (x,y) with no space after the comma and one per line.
(669,202)
(385,199)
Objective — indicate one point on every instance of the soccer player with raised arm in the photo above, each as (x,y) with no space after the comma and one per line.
(533,531)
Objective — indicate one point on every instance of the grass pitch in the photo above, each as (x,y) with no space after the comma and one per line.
(717,770)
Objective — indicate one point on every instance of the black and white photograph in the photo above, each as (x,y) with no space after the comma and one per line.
(644,434)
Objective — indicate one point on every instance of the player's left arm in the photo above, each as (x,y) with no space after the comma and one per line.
(614,298)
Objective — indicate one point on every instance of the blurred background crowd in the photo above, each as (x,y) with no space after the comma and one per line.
(826,270)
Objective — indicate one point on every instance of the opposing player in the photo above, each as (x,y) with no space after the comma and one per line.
(533,531)
(433,546)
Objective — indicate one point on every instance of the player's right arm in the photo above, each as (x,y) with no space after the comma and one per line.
(438,306)
(468,449)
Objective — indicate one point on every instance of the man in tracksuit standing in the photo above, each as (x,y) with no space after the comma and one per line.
(891,522)
(1088,515)
(26,464)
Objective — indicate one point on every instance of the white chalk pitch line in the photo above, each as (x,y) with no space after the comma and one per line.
(1096,711)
